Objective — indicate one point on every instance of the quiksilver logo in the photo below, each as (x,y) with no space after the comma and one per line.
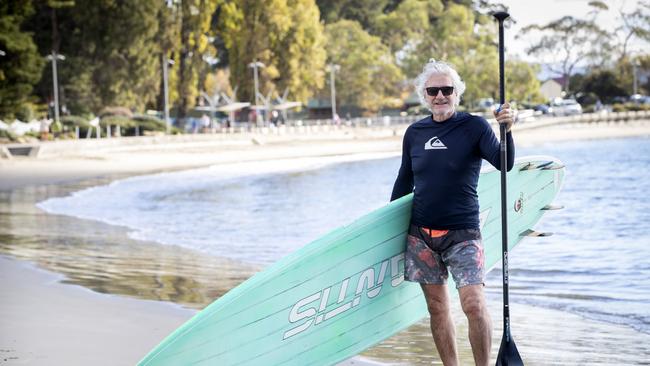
(434,144)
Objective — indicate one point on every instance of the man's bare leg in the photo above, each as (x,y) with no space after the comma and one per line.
(442,325)
(472,299)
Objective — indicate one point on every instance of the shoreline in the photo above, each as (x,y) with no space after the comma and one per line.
(116,163)
(58,312)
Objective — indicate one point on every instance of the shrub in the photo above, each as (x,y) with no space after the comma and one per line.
(25,112)
(126,124)
(70,123)
(116,111)
(150,124)
(6,134)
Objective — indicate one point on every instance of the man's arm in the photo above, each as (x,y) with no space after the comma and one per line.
(404,182)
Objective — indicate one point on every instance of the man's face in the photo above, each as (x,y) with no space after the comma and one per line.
(442,107)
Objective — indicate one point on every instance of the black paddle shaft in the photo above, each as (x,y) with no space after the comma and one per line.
(508,354)
(501,16)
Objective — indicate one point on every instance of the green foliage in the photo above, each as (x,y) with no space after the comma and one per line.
(8,135)
(367,70)
(149,123)
(522,83)
(285,35)
(21,66)
(365,12)
(567,42)
(111,54)
(408,24)
(301,52)
(129,126)
(604,84)
(26,112)
(195,17)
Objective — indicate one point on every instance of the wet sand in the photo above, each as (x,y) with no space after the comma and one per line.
(109,299)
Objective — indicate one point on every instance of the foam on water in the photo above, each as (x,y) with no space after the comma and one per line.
(238,211)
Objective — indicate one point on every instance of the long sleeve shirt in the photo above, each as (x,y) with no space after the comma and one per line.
(441,163)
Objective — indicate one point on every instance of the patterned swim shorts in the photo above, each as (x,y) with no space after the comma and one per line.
(432,254)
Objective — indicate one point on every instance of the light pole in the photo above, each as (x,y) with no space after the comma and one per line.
(255,65)
(53,57)
(333,68)
(635,64)
(165,64)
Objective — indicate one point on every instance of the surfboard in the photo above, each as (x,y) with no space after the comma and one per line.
(345,292)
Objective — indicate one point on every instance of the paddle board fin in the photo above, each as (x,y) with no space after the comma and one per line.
(552,207)
(530,232)
(553,167)
(548,165)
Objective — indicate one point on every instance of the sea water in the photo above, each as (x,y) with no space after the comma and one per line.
(596,265)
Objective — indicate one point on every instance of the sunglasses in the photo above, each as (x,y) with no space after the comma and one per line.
(432,91)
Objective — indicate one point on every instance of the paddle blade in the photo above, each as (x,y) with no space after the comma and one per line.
(508,354)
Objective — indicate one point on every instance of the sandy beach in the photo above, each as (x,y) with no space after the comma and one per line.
(51,316)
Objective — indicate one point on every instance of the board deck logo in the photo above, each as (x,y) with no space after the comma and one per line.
(316,308)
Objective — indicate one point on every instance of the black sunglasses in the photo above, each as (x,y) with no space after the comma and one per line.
(433,90)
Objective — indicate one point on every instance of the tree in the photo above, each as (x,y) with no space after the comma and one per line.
(408,24)
(285,35)
(636,24)
(21,65)
(363,11)
(301,52)
(567,42)
(521,82)
(603,83)
(368,75)
(196,17)
(112,57)
(460,36)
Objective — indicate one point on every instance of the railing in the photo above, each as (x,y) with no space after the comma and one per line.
(244,134)
(527,119)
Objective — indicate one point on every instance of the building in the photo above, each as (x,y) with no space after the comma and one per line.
(551,89)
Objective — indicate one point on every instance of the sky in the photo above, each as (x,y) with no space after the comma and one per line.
(541,12)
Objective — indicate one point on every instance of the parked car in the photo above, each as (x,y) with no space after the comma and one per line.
(640,99)
(566,107)
(543,109)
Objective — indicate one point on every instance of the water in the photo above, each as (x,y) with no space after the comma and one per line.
(596,264)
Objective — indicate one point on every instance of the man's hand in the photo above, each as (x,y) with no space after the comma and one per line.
(505,115)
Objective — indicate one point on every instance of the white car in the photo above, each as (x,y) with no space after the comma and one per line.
(565,107)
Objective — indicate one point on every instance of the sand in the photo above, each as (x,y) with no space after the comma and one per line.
(47,322)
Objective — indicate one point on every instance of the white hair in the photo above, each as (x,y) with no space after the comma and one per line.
(434,67)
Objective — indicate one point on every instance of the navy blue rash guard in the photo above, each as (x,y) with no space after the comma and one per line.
(441,163)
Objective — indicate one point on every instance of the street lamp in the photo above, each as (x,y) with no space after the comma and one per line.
(333,68)
(255,65)
(635,64)
(53,57)
(165,64)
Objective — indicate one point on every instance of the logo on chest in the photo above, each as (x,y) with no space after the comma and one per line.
(434,144)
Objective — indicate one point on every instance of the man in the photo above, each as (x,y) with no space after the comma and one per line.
(441,162)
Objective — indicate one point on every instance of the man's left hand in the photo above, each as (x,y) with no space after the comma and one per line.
(505,115)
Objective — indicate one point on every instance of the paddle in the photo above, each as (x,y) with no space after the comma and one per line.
(508,354)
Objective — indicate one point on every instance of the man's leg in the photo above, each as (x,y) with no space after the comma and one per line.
(472,300)
(442,326)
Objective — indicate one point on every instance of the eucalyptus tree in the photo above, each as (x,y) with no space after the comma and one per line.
(20,62)
(284,35)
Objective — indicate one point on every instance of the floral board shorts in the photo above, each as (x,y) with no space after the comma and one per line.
(432,254)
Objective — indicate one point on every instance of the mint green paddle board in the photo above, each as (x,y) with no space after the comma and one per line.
(345,292)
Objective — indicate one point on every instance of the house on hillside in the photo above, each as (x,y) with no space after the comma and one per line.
(552,88)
